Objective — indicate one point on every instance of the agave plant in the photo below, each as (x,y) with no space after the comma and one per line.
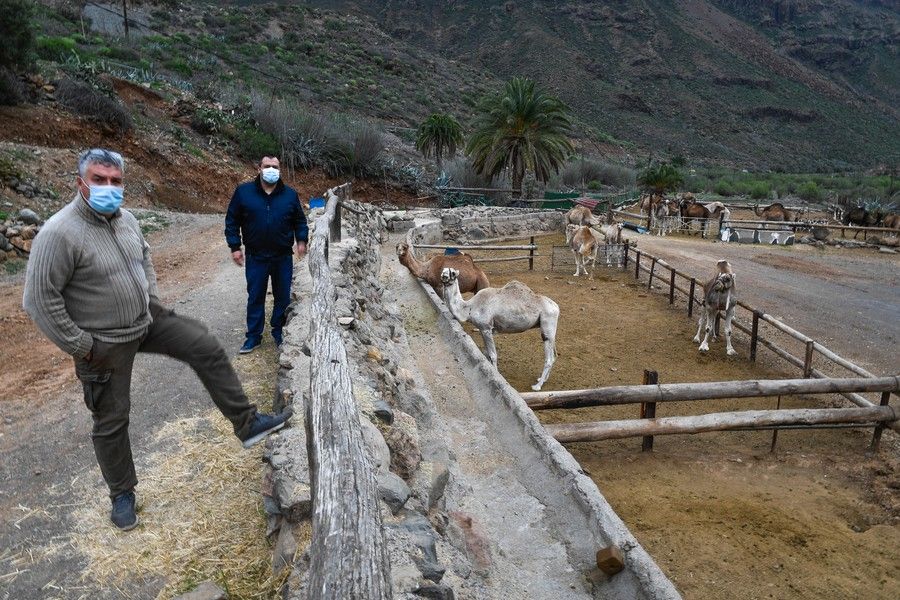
(520,128)
(439,135)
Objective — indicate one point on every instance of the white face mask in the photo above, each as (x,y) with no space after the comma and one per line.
(271,174)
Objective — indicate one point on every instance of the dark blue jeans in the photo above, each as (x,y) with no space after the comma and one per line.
(259,269)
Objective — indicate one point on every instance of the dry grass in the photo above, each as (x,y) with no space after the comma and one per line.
(200,507)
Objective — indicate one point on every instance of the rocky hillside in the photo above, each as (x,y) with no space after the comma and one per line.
(782,84)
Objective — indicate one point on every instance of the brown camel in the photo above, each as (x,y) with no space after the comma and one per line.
(581,215)
(775,212)
(471,277)
(702,212)
(891,221)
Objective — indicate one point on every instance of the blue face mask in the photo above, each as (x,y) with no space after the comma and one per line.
(270,175)
(106,199)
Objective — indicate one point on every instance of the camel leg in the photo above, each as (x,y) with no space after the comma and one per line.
(548,334)
(490,350)
(729,349)
(710,323)
(577,264)
(702,322)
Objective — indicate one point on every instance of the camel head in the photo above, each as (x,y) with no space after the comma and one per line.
(725,278)
(449,275)
(570,232)
(402,249)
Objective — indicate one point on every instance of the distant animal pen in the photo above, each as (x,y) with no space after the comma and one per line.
(865,414)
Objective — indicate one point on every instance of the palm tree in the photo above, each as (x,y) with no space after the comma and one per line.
(439,135)
(661,178)
(520,127)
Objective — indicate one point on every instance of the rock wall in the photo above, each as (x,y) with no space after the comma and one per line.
(474,223)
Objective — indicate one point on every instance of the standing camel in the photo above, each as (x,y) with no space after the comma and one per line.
(471,277)
(718,295)
(775,212)
(514,308)
(584,246)
(703,212)
(581,215)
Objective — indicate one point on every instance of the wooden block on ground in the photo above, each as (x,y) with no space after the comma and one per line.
(610,560)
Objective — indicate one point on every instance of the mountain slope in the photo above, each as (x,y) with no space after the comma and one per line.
(812,87)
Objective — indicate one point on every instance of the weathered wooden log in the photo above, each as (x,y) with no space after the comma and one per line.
(715,390)
(508,258)
(608,430)
(348,555)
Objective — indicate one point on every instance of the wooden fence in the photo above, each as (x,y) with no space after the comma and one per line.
(531,247)
(794,226)
(607,255)
(751,420)
(678,281)
(348,555)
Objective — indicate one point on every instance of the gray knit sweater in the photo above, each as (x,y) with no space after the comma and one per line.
(89,277)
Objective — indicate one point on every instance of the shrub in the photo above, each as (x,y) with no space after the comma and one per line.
(724,188)
(760,190)
(577,172)
(12,91)
(16,32)
(810,192)
(367,146)
(54,48)
(661,178)
(594,185)
(463,174)
(94,104)
(253,143)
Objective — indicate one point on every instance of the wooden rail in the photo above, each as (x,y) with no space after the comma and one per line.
(348,554)
(679,392)
(724,421)
(530,247)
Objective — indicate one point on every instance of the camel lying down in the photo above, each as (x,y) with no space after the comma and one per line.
(718,296)
(514,308)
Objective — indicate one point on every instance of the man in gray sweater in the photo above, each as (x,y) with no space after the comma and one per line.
(90,287)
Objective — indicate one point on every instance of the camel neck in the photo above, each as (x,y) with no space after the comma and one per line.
(455,303)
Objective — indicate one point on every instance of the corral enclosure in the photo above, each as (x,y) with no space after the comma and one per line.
(723,516)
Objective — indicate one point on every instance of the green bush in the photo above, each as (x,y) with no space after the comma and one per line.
(94,104)
(179,66)
(724,188)
(12,92)
(54,48)
(16,32)
(810,192)
(760,190)
(594,185)
(253,144)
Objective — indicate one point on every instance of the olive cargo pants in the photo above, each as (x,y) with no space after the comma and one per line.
(106,379)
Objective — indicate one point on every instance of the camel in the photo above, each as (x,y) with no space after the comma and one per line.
(584,246)
(662,219)
(775,212)
(613,235)
(861,217)
(471,278)
(581,215)
(514,308)
(694,210)
(718,295)
(892,221)
(648,202)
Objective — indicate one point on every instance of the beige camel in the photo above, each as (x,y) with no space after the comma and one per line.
(581,215)
(584,246)
(471,277)
(514,308)
(718,295)
(775,212)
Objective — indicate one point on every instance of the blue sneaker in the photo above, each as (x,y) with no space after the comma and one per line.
(249,346)
(262,425)
(122,514)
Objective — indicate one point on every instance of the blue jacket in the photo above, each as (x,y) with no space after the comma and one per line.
(268,223)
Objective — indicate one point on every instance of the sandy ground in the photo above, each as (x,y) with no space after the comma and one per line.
(723,516)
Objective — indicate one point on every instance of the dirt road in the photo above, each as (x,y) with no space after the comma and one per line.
(849,299)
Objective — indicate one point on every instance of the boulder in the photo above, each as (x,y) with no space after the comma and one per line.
(393,490)
(29,217)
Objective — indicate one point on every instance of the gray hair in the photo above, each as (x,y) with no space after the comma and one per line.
(100,156)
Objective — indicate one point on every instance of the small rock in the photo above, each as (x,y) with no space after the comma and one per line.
(285,549)
(205,591)
(383,411)
(377,447)
(346,322)
(435,591)
(886,250)
(610,560)
(392,490)
(440,475)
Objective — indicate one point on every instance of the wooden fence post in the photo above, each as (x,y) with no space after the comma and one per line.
(754,335)
(531,255)
(807,362)
(334,228)
(652,268)
(876,437)
(648,409)
(721,223)
(775,431)
(672,286)
(691,297)
(625,261)
(637,264)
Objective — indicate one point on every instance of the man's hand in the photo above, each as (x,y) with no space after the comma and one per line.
(300,249)
(238,257)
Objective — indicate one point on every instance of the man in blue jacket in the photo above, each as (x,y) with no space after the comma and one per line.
(269,217)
